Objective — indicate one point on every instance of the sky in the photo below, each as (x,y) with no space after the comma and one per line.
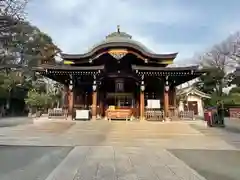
(189,27)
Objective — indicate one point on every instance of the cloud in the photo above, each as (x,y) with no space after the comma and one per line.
(76,25)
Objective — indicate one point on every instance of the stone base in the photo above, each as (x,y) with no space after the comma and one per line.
(94,118)
(70,118)
(142,119)
(167,119)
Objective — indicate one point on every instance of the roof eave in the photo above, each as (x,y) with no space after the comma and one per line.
(147,68)
(67,68)
(117,45)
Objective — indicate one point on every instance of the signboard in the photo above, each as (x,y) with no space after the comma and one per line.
(154,103)
(82,114)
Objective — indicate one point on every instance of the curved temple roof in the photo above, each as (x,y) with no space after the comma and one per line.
(116,40)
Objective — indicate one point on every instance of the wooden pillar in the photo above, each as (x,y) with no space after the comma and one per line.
(70,102)
(94,105)
(142,102)
(70,97)
(166,103)
(94,100)
(166,98)
(142,106)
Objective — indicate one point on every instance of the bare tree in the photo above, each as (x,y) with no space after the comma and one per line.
(231,49)
(224,55)
(11,15)
(234,52)
(216,58)
(219,62)
(13,8)
(11,12)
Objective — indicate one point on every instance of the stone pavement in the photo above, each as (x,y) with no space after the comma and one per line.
(125,163)
(30,163)
(117,150)
(230,134)
(176,135)
(212,164)
(14,121)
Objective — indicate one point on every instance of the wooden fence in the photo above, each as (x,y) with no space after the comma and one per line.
(57,113)
(158,114)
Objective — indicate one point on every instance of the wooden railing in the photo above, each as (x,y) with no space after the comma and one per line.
(186,115)
(173,114)
(57,113)
(152,114)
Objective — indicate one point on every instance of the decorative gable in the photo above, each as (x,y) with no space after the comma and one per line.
(192,91)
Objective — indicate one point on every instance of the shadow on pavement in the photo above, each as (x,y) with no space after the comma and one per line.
(232,129)
(232,125)
(229,134)
(15,121)
(29,162)
(212,164)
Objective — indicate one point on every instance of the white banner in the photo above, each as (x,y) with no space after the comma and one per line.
(153,103)
(82,114)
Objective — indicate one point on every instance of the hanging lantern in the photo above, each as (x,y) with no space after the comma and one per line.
(70,87)
(142,86)
(166,88)
(167,85)
(94,86)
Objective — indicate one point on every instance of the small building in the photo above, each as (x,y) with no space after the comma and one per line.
(191,99)
(119,76)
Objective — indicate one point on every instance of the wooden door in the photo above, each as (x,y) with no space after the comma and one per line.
(193,106)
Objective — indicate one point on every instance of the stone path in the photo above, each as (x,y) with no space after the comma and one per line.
(126,163)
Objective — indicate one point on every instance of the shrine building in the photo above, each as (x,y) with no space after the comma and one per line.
(119,77)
